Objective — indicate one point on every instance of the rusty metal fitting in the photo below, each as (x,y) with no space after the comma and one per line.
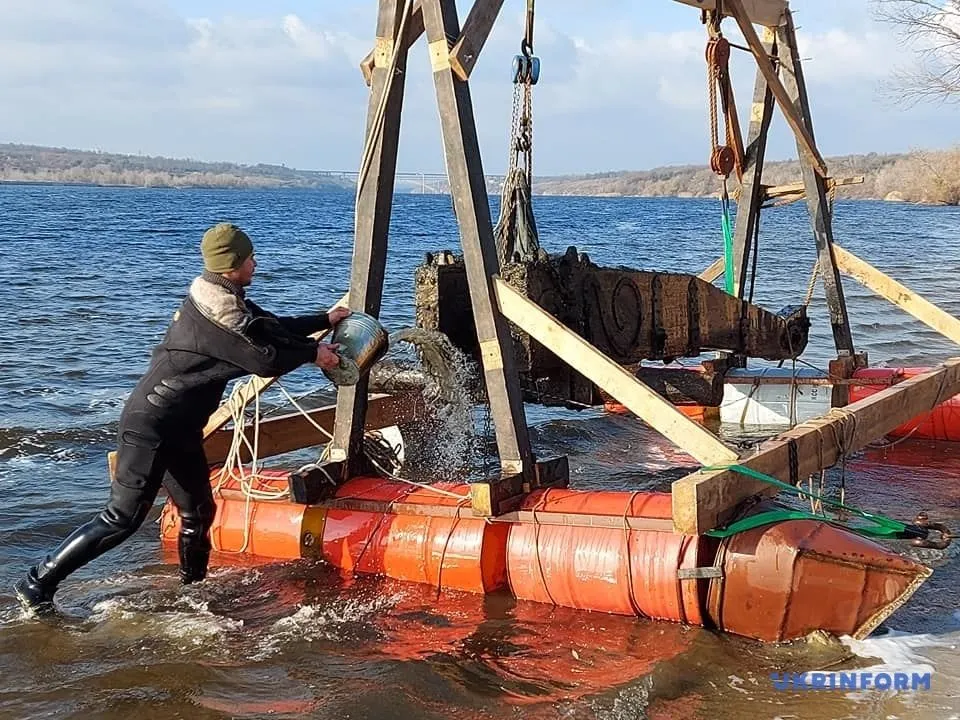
(718,52)
(946,536)
(722,160)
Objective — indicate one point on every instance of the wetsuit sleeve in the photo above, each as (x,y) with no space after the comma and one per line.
(267,349)
(302,325)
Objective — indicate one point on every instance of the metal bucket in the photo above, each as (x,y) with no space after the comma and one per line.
(363,342)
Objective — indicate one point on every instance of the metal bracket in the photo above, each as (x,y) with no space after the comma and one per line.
(700,573)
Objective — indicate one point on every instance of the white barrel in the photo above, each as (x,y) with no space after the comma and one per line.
(773,396)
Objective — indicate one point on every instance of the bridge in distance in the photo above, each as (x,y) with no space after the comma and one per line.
(415,182)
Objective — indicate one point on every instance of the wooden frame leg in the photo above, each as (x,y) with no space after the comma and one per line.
(751,185)
(816,190)
(468,187)
(372,226)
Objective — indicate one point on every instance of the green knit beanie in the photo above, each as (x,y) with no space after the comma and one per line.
(225,247)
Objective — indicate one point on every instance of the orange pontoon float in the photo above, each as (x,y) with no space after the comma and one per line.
(772,583)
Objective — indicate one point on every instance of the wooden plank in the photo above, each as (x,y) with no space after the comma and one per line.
(293,431)
(713,271)
(469,190)
(476,30)
(730,101)
(372,221)
(900,295)
(804,138)
(488,499)
(384,45)
(816,191)
(707,499)
(612,378)
(751,190)
(761,12)
(799,188)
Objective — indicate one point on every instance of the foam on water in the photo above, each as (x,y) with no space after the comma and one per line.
(193,625)
(333,621)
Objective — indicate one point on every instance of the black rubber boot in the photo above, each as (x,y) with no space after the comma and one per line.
(33,594)
(90,541)
(194,544)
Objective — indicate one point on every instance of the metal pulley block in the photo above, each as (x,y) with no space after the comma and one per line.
(526,68)
(718,52)
(723,160)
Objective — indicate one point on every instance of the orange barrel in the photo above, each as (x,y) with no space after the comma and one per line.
(447,551)
(702,414)
(278,529)
(615,570)
(783,581)
(942,423)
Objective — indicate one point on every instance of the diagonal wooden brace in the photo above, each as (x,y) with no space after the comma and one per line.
(794,120)
(900,295)
(476,30)
(659,413)
(708,499)
(768,13)
(383,49)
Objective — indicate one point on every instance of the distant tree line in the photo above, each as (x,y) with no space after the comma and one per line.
(922,177)
(31,163)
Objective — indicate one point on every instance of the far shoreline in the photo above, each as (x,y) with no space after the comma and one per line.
(345,191)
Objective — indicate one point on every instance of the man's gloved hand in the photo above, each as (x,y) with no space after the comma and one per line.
(327,357)
(338,314)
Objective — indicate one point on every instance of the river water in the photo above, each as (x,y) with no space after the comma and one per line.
(91,276)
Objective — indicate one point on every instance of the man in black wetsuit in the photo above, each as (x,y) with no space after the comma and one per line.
(217,335)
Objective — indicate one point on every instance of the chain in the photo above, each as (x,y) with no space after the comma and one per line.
(514,130)
(527,130)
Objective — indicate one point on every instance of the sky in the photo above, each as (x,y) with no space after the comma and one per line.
(622,87)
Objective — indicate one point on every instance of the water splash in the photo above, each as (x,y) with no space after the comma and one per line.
(446,442)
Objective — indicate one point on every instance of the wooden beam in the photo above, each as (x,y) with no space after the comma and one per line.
(761,12)
(286,433)
(816,190)
(799,188)
(751,190)
(372,218)
(707,499)
(713,271)
(380,54)
(613,379)
(730,103)
(900,295)
(469,190)
(804,137)
(476,30)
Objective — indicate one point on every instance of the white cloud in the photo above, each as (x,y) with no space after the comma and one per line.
(131,75)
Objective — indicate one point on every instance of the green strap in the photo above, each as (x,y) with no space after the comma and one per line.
(884,527)
(727,250)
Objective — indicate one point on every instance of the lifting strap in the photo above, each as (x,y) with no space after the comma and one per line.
(878,527)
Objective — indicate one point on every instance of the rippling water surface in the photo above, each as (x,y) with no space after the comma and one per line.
(90,277)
